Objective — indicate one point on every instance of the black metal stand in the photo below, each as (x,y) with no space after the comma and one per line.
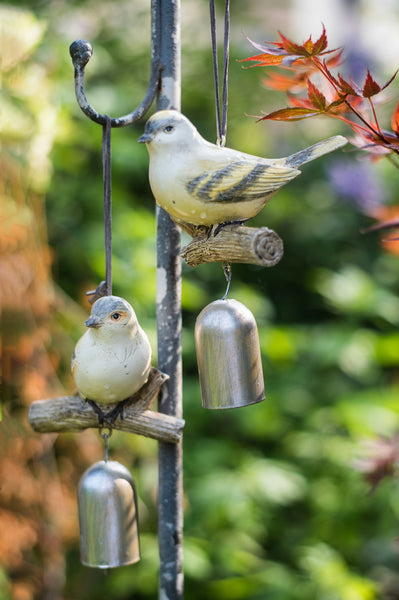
(164,85)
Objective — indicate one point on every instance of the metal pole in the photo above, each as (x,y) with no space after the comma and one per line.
(170,486)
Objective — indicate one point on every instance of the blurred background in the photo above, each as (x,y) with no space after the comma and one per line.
(276,504)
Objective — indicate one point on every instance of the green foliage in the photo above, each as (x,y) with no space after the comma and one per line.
(274,508)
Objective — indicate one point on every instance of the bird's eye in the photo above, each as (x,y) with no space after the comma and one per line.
(116,316)
(168,128)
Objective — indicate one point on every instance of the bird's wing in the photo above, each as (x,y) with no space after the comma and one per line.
(238,180)
(73,361)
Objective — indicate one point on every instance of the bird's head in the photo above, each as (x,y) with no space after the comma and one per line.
(168,128)
(112,315)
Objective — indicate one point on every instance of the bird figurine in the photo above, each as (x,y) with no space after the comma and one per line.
(201,183)
(112,359)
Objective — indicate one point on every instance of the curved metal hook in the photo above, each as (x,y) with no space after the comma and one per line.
(81,52)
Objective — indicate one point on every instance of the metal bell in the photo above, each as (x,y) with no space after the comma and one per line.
(108,516)
(228,356)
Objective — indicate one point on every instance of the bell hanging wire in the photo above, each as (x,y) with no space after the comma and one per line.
(227,274)
(228,356)
(221,111)
(106,437)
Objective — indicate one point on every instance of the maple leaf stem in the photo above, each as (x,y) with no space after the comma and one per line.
(325,72)
(368,125)
(375,117)
(349,122)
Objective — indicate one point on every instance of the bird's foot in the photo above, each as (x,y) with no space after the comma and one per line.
(220,226)
(101,415)
(117,411)
(109,418)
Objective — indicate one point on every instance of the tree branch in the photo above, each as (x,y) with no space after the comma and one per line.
(73,414)
(233,243)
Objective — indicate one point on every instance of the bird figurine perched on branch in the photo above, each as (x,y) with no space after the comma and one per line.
(201,183)
(112,359)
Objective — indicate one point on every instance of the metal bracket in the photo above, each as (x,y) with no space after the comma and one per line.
(81,52)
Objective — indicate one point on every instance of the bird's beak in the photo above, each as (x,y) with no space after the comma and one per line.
(93,321)
(145,138)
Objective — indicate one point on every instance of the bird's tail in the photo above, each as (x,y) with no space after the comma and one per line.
(315,151)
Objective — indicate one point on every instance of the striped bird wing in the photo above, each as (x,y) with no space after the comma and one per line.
(239,180)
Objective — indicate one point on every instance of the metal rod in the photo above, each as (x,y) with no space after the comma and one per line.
(170,490)
(81,52)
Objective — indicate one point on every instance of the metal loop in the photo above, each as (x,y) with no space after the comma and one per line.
(106,437)
(221,141)
(99,292)
(227,274)
(81,51)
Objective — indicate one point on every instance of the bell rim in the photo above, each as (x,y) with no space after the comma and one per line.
(256,401)
(113,566)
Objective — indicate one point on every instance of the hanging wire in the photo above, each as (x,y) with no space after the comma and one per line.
(227,274)
(106,156)
(105,287)
(221,111)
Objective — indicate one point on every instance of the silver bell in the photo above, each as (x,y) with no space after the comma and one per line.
(228,356)
(108,516)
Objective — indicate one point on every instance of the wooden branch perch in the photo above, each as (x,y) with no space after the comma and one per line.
(73,413)
(233,243)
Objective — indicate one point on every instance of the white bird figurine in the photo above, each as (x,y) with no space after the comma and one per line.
(204,184)
(112,359)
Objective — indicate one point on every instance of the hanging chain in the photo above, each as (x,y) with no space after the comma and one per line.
(221,115)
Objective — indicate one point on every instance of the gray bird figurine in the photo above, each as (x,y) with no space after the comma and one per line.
(204,184)
(112,359)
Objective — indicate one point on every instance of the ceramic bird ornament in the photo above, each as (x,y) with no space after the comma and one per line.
(204,184)
(112,359)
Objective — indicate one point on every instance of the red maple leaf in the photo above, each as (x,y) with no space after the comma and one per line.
(395,120)
(295,113)
(285,83)
(335,96)
(345,87)
(287,52)
(308,48)
(316,98)
(370,87)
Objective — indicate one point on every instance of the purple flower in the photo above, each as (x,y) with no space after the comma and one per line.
(357,183)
